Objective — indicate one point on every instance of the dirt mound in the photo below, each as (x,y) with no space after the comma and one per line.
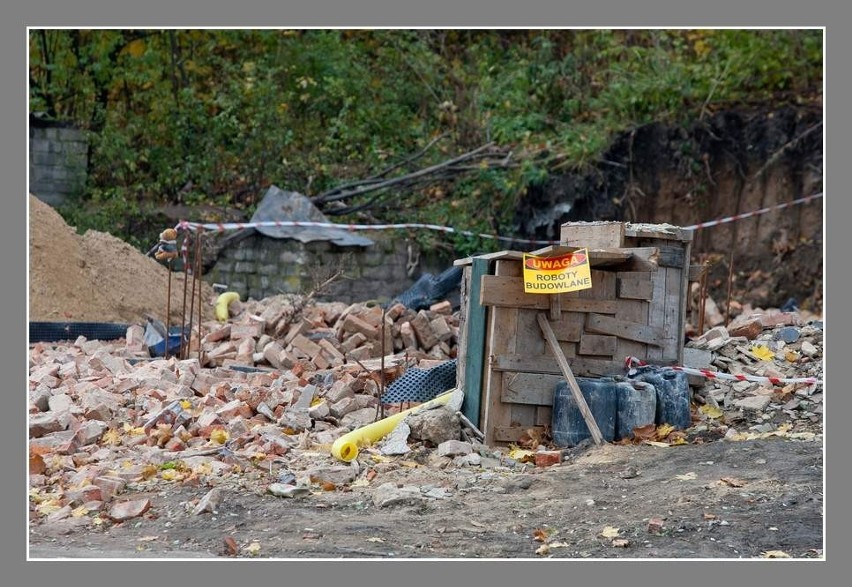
(95,277)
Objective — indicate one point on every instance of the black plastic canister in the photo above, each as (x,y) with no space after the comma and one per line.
(636,407)
(568,427)
(672,395)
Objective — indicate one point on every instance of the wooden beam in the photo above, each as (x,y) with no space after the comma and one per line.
(508,292)
(594,235)
(595,344)
(634,285)
(623,329)
(569,377)
(529,388)
(548,365)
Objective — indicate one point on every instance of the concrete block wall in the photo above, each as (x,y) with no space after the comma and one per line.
(258,267)
(58,160)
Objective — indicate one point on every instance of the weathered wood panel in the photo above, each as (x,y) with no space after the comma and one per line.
(634,331)
(635,285)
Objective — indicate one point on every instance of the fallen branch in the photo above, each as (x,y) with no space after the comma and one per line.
(334,196)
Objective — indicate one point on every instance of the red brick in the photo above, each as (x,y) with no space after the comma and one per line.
(548,458)
(750,328)
(444,307)
(127,510)
(109,486)
(356,324)
(80,496)
(655,525)
(423,330)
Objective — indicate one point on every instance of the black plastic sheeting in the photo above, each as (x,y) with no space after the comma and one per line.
(430,289)
(421,385)
(58,331)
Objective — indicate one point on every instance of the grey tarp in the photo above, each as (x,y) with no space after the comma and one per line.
(280,205)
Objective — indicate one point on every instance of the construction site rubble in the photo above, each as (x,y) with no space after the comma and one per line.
(279,384)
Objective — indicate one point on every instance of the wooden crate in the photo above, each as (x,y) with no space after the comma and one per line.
(636,307)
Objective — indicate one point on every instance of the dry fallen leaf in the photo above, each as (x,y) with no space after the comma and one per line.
(542,550)
(79,512)
(559,545)
(540,534)
(621,542)
(732,481)
(609,532)
(219,436)
(686,476)
(253,548)
(375,539)
(709,516)
(111,437)
(775,554)
(711,411)
(231,546)
(762,352)
(645,432)
(663,430)
(328,486)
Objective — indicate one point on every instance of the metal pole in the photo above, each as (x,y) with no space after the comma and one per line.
(198,267)
(168,307)
(192,300)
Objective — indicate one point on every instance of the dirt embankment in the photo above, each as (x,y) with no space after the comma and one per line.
(95,277)
(729,163)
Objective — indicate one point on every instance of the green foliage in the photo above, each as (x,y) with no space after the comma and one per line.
(215,116)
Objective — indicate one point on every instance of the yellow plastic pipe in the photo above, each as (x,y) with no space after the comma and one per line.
(222,303)
(346,447)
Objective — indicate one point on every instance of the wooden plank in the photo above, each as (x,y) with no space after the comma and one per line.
(656,311)
(543,415)
(595,344)
(502,336)
(658,231)
(588,417)
(684,299)
(672,321)
(594,235)
(474,344)
(490,257)
(508,292)
(623,329)
(548,365)
(567,329)
(555,308)
(529,388)
(513,433)
(596,256)
(672,256)
(464,319)
(635,285)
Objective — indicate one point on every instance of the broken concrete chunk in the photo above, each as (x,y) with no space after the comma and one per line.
(388,494)
(452,448)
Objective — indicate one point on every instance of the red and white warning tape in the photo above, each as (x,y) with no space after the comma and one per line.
(224,226)
(804,200)
(631,362)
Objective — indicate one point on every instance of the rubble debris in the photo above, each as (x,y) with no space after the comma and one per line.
(103,424)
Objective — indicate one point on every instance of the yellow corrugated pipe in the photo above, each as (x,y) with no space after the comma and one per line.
(346,447)
(222,303)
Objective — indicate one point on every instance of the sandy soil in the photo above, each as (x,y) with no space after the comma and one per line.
(95,277)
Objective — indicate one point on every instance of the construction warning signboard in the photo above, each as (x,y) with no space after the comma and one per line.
(557,274)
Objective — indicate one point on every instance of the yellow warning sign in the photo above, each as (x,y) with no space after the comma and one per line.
(559,274)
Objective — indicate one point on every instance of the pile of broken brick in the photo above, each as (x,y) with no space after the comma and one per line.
(279,384)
